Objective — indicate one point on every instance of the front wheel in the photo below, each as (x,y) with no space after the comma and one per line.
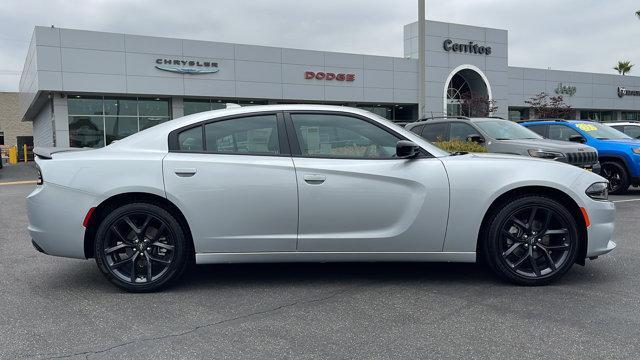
(141,247)
(532,240)
(617,176)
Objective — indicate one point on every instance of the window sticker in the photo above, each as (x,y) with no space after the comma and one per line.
(587,127)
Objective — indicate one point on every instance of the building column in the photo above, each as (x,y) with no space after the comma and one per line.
(177,107)
(60,121)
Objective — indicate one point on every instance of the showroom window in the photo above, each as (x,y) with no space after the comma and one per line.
(630,116)
(599,116)
(193,106)
(98,121)
(394,112)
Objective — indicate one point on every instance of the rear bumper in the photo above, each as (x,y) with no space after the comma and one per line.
(55,219)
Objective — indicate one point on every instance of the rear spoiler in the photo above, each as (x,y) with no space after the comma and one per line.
(47,152)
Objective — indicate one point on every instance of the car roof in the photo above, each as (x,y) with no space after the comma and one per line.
(439,120)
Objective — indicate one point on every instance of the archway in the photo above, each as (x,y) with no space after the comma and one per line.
(463,80)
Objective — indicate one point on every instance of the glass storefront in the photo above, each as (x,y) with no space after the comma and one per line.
(630,116)
(98,121)
(393,112)
(517,114)
(192,106)
(599,116)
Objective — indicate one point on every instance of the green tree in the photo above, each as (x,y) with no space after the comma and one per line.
(623,67)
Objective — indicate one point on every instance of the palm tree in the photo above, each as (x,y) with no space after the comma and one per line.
(623,67)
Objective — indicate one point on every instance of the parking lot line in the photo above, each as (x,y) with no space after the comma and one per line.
(626,200)
(18,182)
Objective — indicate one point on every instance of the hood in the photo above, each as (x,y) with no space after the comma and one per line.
(630,142)
(552,145)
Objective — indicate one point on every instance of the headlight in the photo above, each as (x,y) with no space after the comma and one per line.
(544,154)
(636,150)
(598,191)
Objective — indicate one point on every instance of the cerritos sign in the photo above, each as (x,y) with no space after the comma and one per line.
(329,76)
(624,92)
(193,67)
(469,48)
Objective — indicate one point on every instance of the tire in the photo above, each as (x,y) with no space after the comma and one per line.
(617,175)
(141,247)
(521,251)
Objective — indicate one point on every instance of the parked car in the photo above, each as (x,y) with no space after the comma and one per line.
(300,183)
(619,154)
(507,137)
(631,128)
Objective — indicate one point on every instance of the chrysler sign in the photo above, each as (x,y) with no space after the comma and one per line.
(187,66)
(469,48)
(624,92)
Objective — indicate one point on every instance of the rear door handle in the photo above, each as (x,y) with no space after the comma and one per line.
(185,172)
(314,179)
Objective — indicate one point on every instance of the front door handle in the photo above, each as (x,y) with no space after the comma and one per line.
(185,172)
(314,179)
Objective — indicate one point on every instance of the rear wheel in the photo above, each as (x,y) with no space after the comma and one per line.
(141,247)
(617,176)
(532,240)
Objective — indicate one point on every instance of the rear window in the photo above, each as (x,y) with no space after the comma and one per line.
(435,132)
(417,129)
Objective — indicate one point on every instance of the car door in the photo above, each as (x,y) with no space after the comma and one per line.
(234,180)
(356,196)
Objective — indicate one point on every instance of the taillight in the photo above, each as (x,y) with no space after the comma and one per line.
(39,181)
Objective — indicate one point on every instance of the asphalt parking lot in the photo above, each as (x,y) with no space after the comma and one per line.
(62,308)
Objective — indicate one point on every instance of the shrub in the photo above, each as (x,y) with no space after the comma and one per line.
(459,145)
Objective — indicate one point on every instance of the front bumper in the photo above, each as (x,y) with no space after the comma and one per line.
(55,219)
(600,233)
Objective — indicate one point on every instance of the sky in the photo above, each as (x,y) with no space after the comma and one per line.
(580,35)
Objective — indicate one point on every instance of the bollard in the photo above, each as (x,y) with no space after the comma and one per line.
(24,152)
(13,155)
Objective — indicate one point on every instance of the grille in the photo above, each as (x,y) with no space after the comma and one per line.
(582,158)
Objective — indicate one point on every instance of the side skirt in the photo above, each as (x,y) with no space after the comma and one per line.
(299,256)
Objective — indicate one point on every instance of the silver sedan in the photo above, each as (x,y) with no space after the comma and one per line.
(296,183)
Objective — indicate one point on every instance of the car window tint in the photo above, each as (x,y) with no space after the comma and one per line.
(435,132)
(247,135)
(538,129)
(191,139)
(417,129)
(633,131)
(328,135)
(461,131)
(561,132)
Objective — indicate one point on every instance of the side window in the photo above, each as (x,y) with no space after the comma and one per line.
(247,135)
(328,135)
(435,132)
(461,131)
(633,131)
(191,139)
(619,127)
(561,132)
(417,129)
(538,129)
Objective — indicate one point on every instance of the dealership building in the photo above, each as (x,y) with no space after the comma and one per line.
(86,88)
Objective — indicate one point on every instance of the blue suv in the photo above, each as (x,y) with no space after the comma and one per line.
(618,153)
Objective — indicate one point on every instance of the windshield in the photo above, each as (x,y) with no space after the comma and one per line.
(506,130)
(601,132)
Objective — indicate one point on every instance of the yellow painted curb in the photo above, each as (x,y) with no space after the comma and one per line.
(24,182)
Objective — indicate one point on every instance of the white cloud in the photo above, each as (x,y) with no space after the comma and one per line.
(583,35)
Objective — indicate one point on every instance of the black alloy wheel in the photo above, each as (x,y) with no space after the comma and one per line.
(617,176)
(533,240)
(140,247)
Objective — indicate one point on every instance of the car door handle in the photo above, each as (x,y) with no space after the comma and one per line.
(185,172)
(314,179)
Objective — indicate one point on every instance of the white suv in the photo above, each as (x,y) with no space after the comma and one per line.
(631,128)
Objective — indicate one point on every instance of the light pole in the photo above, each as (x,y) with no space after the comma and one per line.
(422,78)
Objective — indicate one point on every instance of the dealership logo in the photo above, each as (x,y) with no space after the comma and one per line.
(566,90)
(187,66)
(469,48)
(624,92)
(329,76)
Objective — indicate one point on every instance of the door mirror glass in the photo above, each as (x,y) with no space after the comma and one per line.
(476,138)
(577,138)
(406,149)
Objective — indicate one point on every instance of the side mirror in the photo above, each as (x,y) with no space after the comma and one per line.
(476,138)
(577,138)
(406,149)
